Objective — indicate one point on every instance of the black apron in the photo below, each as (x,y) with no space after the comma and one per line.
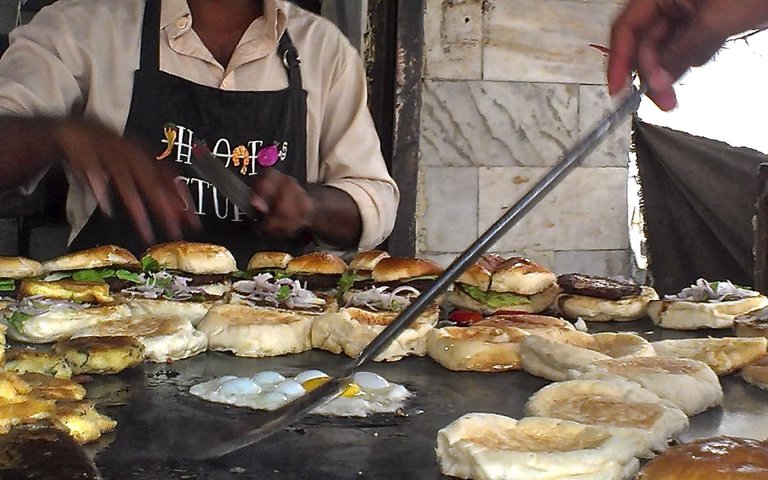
(238,126)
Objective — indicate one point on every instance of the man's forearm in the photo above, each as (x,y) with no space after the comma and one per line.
(336,219)
(28,147)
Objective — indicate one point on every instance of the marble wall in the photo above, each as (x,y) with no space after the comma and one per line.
(509,85)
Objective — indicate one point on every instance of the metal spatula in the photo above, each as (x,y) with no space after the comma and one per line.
(290,413)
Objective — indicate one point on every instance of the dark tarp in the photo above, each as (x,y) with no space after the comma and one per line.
(698,199)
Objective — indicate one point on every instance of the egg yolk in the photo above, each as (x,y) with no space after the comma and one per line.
(349,391)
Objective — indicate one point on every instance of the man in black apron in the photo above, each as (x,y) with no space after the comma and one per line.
(261,135)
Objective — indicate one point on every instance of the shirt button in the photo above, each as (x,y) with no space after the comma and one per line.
(183,23)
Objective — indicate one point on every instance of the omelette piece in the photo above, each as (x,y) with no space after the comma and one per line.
(101,355)
(88,292)
(12,388)
(47,363)
(24,412)
(81,420)
(52,388)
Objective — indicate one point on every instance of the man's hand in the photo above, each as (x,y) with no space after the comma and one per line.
(108,161)
(290,209)
(662,39)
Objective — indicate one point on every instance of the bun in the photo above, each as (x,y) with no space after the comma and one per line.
(752,324)
(20,267)
(710,459)
(257,332)
(323,263)
(593,309)
(56,325)
(195,258)
(172,309)
(683,315)
(396,268)
(352,329)
(523,276)
(484,446)
(756,373)
(615,403)
(537,302)
(367,261)
(97,257)
(261,260)
(689,384)
(723,355)
(479,273)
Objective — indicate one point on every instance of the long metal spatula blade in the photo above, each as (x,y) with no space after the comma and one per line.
(299,408)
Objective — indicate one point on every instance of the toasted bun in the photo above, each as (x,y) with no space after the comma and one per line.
(479,273)
(615,403)
(352,329)
(689,384)
(55,325)
(723,355)
(554,360)
(20,267)
(682,315)
(493,447)
(397,268)
(324,263)
(756,372)
(257,332)
(97,257)
(593,309)
(269,260)
(190,311)
(710,459)
(523,276)
(164,339)
(195,258)
(538,302)
(367,260)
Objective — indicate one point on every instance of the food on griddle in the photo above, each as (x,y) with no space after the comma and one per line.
(367,392)
(51,388)
(317,271)
(81,420)
(485,446)
(617,404)
(109,264)
(493,344)
(600,299)
(494,283)
(705,305)
(268,262)
(718,458)
(37,361)
(13,388)
(12,271)
(182,280)
(689,384)
(24,412)
(163,339)
(723,355)
(370,305)
(554,359)
(756,372)
(100,355)
(752,324)
(360,269)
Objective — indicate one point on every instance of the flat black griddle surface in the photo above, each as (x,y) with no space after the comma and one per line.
(159,422)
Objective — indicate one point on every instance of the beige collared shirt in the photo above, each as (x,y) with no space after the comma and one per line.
(78,57)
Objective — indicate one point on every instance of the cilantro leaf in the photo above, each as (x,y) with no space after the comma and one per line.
(128,276)
(7,285)
(283,292)
(93,275)
(241,274)
(494,299)
(346,281)
(17,319)
(197,297)
(149,264)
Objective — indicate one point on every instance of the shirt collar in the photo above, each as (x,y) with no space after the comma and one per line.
(176,18)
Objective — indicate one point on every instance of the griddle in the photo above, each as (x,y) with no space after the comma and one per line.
(158,418)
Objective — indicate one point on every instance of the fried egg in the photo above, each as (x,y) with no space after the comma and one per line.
(366,394)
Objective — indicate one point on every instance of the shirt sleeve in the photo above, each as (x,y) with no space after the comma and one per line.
(350,151)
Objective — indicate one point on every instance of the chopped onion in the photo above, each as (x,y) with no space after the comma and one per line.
(263,288)
(704,291)
(379,298)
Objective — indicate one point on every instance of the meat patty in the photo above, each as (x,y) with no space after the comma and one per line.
(600,287)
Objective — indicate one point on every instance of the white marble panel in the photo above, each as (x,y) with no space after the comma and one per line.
(449,200)
(593,262)
(547,40)
(496,123)
(587,211)
(453,31)
(594,103)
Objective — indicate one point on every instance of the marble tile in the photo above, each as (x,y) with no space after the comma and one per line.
(587,211)
(453,31)
(594,103)
(496,123)
(546,40)
(449,201)
(593,262)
